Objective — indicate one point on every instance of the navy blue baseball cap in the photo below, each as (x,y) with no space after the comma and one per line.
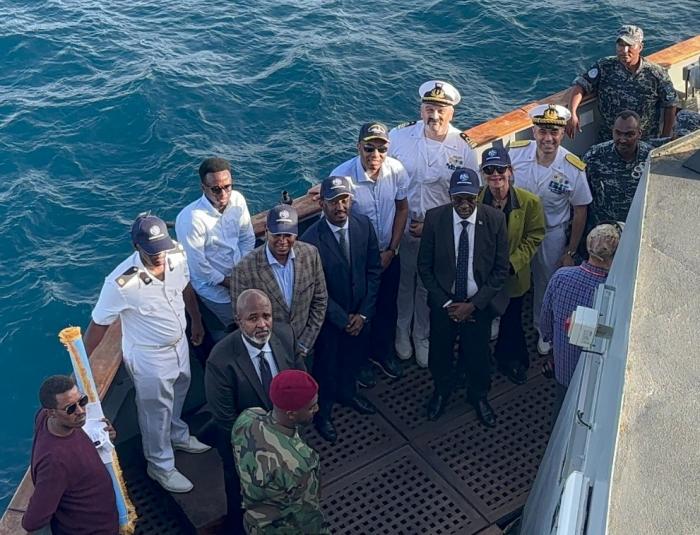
(495,156)
(151,234)
(283,219)
(464,181)
(335,186)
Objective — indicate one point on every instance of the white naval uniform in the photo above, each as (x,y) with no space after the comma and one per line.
(154,346)
(559,186)
(429,165)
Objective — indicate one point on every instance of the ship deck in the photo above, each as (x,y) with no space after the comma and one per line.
(395,472)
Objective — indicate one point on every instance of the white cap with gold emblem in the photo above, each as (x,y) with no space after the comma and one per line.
(439,92)
(550,115)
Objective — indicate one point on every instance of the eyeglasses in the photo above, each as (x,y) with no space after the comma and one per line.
(70,409)
(217,190)
(491,169)
(369,149)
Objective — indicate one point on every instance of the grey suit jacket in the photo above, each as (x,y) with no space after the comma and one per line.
(309,297)
(231,382)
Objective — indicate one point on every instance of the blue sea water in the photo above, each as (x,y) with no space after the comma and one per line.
(107,108)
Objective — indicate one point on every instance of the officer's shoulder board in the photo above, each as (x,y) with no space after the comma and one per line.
(467,140)
(407,123)
(576,161)
(125,277)
(519,144)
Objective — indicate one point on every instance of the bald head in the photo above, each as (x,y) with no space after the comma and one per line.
(254,316)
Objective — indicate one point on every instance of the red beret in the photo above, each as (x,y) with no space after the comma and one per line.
(292,390)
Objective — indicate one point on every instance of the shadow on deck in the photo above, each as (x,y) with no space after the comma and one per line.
(395,472)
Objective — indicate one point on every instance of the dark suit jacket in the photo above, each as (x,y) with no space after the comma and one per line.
(309,298)
(437,263)
(230,380)
(352,289)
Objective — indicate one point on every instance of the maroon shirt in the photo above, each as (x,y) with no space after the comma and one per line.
(73,490)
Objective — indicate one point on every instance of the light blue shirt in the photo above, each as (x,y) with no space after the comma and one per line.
(284,274)
(377,198)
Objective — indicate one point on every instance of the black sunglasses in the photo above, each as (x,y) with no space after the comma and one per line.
(218,189)
(70,409)
(491,169)
(369,149)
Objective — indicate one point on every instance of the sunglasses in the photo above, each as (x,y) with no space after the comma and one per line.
(219,189)
(491,169)
(70,409)
(369,149)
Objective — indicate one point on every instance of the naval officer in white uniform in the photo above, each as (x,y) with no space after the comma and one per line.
(149,292)
(430,150)
(558,177)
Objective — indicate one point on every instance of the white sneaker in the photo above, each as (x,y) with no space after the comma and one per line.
(172,481)
(495,326)
(403,345)
(193,446)
(543,348)
(422,348)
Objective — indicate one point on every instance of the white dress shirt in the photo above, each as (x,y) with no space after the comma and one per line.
(214,243)
(559,186)
(429,164)
(377,198)
(472,288)
(152,311)
(336,235)
(253,352)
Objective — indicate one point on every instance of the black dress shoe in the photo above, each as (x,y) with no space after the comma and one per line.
(326,429)
(360,404)
(366,377)
(390,366)
(436,406)
(519,375)
(485,412)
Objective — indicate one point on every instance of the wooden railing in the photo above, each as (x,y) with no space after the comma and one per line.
(106,359)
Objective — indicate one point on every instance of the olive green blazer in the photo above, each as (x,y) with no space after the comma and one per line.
(525,232)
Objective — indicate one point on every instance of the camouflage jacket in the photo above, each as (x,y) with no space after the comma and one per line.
(687,122)
(645,91)
(613,180)
(279,478)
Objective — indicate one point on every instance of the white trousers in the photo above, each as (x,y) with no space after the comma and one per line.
(544,264)
(161,378)
(412,301)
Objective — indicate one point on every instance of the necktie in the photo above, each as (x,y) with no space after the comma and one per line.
(343,244)
(462,274)
(265,373)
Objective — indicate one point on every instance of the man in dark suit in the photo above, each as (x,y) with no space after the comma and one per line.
(290,273)
(463,263)
(350,257)
(238,375)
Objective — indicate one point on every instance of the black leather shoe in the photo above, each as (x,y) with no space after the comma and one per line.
(485,412)
(519,375)
(360,404)
(326,429)
(366,377)
(436,406)
(390,366)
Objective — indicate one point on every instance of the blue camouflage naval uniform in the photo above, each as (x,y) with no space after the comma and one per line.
(279,478)
(613,181)
(646,91)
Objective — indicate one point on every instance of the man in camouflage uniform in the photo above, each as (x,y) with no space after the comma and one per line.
(614,168)
(627,81)
(279,472)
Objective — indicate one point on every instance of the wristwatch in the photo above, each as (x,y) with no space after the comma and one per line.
(395,250)
(571,253)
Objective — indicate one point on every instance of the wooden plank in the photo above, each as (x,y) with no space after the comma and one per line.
(690,48)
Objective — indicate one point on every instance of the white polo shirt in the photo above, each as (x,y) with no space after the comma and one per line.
(214,243)
(152,311)
(559,186)
(376,198)
(429,164)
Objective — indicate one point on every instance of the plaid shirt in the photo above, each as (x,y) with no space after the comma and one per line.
(568,288)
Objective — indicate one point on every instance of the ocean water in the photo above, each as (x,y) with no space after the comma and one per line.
(107,109)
